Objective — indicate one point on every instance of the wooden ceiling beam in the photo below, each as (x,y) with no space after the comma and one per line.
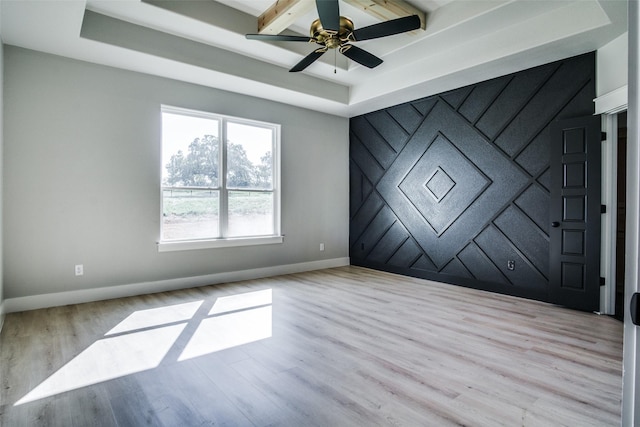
(282,14)
(386,10)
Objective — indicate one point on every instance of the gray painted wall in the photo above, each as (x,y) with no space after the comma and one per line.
(612,65)
(82,178)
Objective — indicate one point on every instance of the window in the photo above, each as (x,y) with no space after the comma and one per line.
(219,181)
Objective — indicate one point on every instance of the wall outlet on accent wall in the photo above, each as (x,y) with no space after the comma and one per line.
(79,269)
(321,247)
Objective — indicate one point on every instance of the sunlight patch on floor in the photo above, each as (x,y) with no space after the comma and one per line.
(144,338)
(242,301)
(153,317)
(107,359)
(229,330)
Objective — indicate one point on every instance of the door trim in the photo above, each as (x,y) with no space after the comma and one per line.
(609,221)
(631,347)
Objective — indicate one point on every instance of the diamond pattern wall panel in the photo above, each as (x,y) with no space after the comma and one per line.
(456,186)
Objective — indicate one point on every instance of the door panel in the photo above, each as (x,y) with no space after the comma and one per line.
(575,213)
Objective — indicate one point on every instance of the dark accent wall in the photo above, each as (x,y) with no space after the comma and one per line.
(455,186)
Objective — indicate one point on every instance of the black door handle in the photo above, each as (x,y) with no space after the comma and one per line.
(555,224)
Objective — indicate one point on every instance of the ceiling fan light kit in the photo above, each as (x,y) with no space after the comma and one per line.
(332,31)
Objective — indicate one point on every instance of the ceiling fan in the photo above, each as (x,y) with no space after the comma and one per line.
(332,31)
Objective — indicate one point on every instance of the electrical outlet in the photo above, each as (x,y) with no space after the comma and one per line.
(79,270)
(321,247)
(511,265)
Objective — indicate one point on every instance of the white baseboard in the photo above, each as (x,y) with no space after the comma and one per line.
(33,302)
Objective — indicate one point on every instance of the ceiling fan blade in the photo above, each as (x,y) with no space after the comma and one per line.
(388,28)
(329,14)
(277,38)
(360,56)
(308,60)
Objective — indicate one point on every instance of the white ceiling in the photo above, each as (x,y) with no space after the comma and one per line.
(203,42)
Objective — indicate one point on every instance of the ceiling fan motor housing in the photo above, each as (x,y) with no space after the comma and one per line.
(330,38)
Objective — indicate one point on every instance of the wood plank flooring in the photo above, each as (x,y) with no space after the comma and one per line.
(340,347)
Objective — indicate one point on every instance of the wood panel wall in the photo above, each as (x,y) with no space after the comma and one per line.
(456,187)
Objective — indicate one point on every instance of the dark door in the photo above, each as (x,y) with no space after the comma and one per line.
(575,213)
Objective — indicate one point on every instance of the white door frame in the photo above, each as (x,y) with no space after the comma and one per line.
(609,219)
(631,365)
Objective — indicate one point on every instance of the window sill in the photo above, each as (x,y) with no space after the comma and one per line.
(186,245)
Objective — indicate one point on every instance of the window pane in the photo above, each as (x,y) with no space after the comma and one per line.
(249,156)
(189,214)
(250,213)
(190,151)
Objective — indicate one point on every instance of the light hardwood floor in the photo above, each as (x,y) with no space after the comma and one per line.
(339,347)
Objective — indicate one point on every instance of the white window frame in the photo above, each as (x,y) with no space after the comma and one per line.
(222,242)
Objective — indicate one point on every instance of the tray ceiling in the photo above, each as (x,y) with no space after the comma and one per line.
(465,41)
